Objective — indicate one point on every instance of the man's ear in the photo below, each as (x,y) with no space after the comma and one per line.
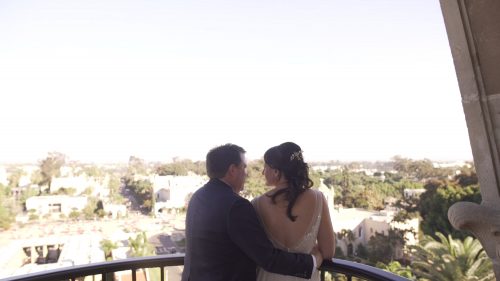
(231,170)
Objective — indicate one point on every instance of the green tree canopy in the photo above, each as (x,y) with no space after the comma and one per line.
(382,248)
(255,184)
(15,176)
(6,213)
(114,185)
(174,169)
(181,167)
(94,171)
(50,167)
(6,216)
(449,259)
(136,166)
(419,169)
(142,190)
(437,199)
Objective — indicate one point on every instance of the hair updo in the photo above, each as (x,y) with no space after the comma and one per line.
(288,160)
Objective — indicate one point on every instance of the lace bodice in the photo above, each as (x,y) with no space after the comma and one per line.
(304,245)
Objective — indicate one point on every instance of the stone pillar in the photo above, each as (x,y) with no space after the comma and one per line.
(34,254)
(473,28)
(45,250)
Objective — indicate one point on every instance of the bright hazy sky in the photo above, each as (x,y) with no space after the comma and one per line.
(347,80)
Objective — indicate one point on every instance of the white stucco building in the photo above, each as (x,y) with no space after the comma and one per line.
(172,192)
(365,224)
(115,210)
(20,256)
(409,193)
(80,184)
(56,204)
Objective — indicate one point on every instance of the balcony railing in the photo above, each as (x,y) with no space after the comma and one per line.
(105,270)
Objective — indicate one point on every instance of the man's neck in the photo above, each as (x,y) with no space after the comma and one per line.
(224,180)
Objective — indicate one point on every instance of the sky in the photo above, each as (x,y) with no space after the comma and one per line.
(346,80)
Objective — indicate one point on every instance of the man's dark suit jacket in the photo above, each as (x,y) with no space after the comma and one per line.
(225,240)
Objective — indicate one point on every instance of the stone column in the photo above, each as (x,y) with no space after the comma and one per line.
(33,255)
(473,28)
(45,250)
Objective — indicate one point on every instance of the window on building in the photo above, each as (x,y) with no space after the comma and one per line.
(55,208)
(163,195)
(350,250)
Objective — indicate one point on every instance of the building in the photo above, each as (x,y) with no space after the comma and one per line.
(56,204)
(357,226)
(39,254)
(328,167)
(80,184)
(115,210)
(410,193)
(173,192)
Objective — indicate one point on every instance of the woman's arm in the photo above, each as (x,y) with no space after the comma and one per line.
(326,236)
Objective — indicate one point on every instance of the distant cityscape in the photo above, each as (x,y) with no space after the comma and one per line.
(58,213)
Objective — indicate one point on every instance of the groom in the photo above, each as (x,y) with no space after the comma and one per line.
(224,238)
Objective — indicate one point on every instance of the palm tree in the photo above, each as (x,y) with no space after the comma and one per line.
(396,268)
(107,247)
(451,260)
(140,247)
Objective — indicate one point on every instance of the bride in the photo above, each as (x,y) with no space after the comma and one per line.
(295,217)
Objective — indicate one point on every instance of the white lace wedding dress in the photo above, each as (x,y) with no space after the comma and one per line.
(304,245)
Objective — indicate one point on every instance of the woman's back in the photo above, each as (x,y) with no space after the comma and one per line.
(293,215)
(294,236)
(297,236)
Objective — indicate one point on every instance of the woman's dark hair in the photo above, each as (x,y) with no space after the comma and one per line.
(288,160)
(221,157)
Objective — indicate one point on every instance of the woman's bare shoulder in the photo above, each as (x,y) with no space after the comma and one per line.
(307,197)
(256,199)
(311,193)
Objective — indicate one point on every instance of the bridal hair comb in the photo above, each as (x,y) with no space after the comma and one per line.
(296,155)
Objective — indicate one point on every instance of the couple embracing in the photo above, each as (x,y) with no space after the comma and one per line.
(282,235)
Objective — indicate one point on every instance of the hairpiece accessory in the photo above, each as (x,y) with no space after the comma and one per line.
(296,155)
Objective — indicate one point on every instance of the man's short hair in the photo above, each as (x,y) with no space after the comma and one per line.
(221,157)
